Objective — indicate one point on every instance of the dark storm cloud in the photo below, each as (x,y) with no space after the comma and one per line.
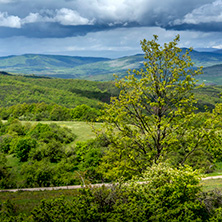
(202,27)
(63,18)
(49,30)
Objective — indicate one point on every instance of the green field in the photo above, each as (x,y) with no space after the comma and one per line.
(83,130)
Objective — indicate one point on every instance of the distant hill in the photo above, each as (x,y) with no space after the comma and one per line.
(101,69)
(39,64)
(218,51)
(206,59)
(212,75)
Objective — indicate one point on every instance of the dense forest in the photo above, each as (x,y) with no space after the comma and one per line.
(160,132)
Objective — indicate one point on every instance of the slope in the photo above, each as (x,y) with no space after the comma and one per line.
(72,92)
(44,64)
(69,93)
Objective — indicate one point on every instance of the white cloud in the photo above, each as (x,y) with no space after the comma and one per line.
(217,46)
(70,17)
(32,18)
(63,16)
(119,11)
(108,12)
(206,13)
(144,12)
(9,20)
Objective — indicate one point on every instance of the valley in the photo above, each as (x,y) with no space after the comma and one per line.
(101,69)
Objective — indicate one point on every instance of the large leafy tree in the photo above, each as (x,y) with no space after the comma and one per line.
(154,116)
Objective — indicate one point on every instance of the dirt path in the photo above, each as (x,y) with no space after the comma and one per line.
(78,186)
(54,188)
(212,177)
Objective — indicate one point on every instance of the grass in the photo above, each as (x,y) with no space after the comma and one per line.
(212,184)
(24,202)
(217,171)
(83,130)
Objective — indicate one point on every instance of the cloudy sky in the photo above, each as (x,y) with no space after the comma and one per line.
(107,28)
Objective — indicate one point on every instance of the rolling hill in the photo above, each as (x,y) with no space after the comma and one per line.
(72,92)
(101,69)
(66,92)
(46,65)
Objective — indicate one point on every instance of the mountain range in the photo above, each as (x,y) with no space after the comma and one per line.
(99,68)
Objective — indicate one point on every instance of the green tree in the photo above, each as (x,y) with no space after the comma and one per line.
(85,113)
(59,113)
(154,115)
(37,173)
(15,128)
(22,147)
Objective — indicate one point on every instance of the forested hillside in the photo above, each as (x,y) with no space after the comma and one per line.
(71,93)
(68,93)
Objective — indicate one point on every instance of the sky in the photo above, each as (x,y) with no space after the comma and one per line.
(106,28)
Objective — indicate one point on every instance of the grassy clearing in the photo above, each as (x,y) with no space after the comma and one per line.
(82,130)
(213,183)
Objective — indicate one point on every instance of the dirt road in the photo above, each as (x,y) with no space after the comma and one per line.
(78,186)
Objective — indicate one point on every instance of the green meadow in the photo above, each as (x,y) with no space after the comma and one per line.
(83,130)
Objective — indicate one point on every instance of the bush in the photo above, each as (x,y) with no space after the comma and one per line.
(172,194)
(5,141)
(166,195)
(86,157)
(22,147)
(46,133)
(53,150)
(37,174)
